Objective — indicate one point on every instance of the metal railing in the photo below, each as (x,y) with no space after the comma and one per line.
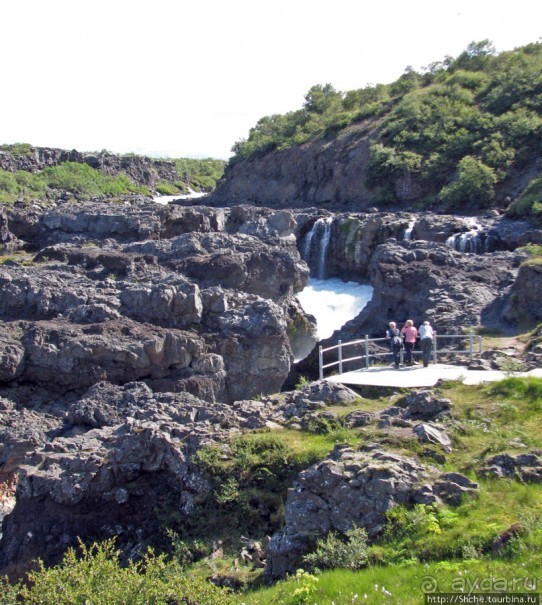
(364,355)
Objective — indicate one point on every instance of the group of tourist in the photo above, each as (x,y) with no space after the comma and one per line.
(406,338)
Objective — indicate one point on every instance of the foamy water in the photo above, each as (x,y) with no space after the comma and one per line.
(165,199)
(333,302)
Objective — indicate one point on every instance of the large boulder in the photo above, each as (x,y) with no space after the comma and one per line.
(347,489)
(69,356)
(524,301)
(232,261)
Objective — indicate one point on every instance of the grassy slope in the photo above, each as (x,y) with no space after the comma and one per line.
(491,420)
(84,182)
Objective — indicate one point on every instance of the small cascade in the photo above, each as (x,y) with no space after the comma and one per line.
(316,245)
(407,235)
(473,240)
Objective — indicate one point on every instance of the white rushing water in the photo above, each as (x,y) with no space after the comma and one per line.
(333,302)
(165,199)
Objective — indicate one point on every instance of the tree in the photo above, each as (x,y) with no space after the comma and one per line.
(475,57)
(321,98)
(474,187)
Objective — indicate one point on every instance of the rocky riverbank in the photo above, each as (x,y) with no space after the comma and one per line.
(137,333)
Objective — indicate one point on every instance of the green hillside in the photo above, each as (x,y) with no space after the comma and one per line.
(25,176)
(461,127)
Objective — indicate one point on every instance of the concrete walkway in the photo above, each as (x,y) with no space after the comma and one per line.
(418,376)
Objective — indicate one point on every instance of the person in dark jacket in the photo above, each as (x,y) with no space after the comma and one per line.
(396,343)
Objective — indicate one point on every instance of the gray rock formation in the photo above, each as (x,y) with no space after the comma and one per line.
(6,236)
(353,489)
(525,467)
(524,302)
(141,169)
(320,173)
(118,459)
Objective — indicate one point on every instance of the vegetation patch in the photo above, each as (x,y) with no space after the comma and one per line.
(79,179)
(458,128)
(95,576)
(529,204)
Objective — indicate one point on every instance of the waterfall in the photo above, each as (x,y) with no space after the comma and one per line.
(324,245)
(316,246)
(472,240)
(408,231)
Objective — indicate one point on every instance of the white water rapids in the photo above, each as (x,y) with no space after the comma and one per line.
(165,199)
(333,302)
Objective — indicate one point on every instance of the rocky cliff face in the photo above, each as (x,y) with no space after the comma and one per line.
(319,173)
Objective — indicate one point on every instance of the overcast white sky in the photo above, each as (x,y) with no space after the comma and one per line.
(188,78)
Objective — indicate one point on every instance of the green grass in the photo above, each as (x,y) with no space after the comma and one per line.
(406,584)
(450,543)
(80,179)
(250,483)
(529,203)
(421,546)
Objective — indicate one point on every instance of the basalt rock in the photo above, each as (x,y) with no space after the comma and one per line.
(351,489)
(526,467)
(143,170)
(6,236)
(347,489)
(12,363)
(233,261)
(73,357)
(250,333)
(124,457)
(107,482)
(22,431)
(425,405)
(524,302)
(319,173)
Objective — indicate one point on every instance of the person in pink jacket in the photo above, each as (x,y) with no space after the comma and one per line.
(410,334)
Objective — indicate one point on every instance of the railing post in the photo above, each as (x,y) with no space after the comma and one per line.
(435,347)
(366,351)
(471,350)
(340,357)
(320,362)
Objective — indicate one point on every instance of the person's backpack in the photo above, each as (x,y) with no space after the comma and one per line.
(396,340)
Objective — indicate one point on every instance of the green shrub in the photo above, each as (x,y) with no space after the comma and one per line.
(198,174)
(529,204)
(335,551)
(474,187)
(525,388)
(98,578)
(165,188)
(80,179)
(478,116)
(17,149)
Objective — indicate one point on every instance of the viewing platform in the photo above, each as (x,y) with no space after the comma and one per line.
(418,376)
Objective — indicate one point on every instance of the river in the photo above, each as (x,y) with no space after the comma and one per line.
(333,302)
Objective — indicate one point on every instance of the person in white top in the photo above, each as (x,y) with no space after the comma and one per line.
(426,341)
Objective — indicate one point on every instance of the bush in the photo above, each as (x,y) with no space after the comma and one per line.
(334,551)
(97,578)
(79,179)
(474,187)
(529,204)
(165,188)
(528,388)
